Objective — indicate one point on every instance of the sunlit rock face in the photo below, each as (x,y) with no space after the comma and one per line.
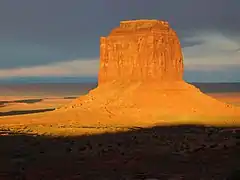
(141,50)
(141,76)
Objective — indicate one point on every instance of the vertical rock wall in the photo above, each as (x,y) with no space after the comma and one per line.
(141,50)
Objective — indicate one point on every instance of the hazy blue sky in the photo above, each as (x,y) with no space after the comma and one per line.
(61,37)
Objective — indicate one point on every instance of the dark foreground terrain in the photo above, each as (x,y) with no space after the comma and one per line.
(180,152)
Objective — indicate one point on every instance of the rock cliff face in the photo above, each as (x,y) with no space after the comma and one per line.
(141,50)
(140,76)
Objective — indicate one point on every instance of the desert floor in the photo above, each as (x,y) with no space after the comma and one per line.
(16,105)
(68,151)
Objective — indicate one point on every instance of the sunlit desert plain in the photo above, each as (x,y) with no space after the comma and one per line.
(28,113)
(34,148)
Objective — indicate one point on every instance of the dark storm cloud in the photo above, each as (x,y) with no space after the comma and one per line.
(224,73)
(36,32)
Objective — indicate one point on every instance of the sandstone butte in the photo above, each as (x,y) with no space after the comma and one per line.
(141,76)
(140,82)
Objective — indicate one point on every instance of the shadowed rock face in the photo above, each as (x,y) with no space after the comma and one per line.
(141,50)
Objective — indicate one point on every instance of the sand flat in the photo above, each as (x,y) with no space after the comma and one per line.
(41,123)
(57,101)
(41,103)
(232,98)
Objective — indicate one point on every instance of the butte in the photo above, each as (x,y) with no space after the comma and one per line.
(141,79)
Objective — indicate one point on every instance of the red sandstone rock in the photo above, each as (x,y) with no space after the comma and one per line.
(141,50)
(140,76)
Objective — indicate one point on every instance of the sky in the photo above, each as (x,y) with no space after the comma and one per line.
(59,38)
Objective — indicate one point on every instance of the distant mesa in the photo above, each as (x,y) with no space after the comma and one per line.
(141,75)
